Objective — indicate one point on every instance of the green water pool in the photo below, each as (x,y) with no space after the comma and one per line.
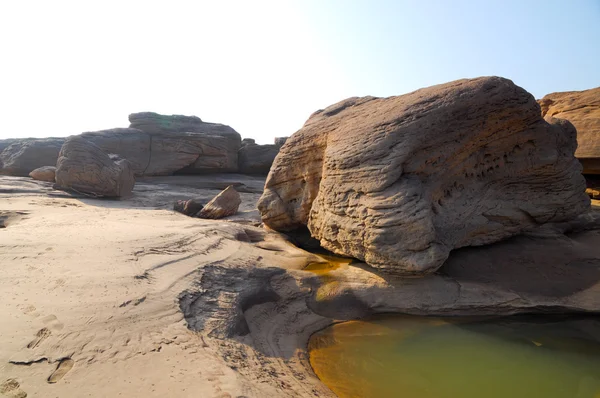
(415,357)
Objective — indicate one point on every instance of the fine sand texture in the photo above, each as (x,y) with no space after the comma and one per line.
(90,291)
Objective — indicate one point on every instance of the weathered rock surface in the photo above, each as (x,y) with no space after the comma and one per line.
(45,173)
(187,143)
(256,159)
(225,204)
(582,108)
(131,144)
(399,182)
(23,156)
(6,142)
(83,167)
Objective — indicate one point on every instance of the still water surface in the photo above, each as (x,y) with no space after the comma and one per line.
(414,357)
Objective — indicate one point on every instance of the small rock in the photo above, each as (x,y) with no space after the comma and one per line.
(188,207)
(224,204)
(44,173)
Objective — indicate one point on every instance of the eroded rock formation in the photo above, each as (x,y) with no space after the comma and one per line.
(401,181)
(186,142)
(582,108)
(83,167)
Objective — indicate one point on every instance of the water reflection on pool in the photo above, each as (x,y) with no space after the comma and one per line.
(415,357)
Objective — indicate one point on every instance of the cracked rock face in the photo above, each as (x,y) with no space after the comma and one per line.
(582,108)
(399,182)
(84,167)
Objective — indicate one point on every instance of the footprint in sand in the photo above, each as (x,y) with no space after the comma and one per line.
(40,336)
(61,370)
(53,322)
(12,388)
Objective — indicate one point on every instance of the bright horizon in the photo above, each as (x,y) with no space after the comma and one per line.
(263,67)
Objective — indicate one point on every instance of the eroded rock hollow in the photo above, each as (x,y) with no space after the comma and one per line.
(399,182)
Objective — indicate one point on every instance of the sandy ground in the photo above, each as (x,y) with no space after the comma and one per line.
(89,293)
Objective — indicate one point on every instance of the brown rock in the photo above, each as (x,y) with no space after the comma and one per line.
(399,182)
(256,159)
(582,108)
(45,173)
(189,207)
(187,144)
(224,204)
(84,167)
(23,156)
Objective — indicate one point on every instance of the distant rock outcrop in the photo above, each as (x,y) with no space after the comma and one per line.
(582,108)
(83,167)
(399,182)
(256,159)
(187,144)
(154,145)
(45,173)
(23,156)
(6,142)
(225,204)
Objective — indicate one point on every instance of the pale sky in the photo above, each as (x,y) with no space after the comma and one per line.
(263,66)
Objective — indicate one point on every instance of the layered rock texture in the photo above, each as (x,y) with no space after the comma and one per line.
(399,182)
(85,168)
(225,204)
(21,157)
(582,108)
(45,173)
(187,144)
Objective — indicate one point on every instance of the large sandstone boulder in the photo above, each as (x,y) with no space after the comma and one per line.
(131,144)
(23,156)
(45,173)
(582,108)
(256,159)
(401,181)
(186,142)
(83,167)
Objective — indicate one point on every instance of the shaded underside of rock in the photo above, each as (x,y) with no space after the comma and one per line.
(256,159)
(225,204)
(189,207)
(401,181)
(582,108)
(45,173)
(83,167)
(23,156)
